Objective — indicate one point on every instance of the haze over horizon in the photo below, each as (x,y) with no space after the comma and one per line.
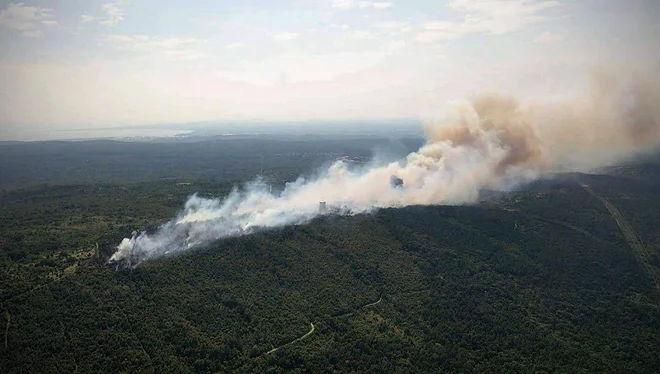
(99,64)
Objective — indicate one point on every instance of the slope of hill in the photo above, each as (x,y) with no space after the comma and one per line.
(540,280)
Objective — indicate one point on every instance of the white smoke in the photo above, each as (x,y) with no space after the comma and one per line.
(492,143)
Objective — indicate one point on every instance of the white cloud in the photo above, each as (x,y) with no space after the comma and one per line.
(50,23)
(396,46)
(114,13)
(33,34)
(549,38)
(86,18)
(234,45)
(355,4)
(441,26)
(284,36)
(172,48)
(362,35)
(393,28)
(301,68)
(379,5)
(488,17)
(341,27)
(394,25)
(435,36)
(26,19)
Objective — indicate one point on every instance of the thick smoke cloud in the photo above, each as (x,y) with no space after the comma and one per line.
(492,142)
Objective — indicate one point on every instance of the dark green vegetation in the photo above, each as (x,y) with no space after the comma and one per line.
(541,280)
(219,158)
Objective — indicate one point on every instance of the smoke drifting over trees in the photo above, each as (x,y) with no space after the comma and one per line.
(491,142)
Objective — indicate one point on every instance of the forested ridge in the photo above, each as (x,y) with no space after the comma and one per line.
(541,280)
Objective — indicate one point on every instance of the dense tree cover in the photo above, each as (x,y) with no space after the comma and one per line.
(645,170)
(537,281)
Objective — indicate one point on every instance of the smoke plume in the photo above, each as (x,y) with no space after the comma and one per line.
(491,142)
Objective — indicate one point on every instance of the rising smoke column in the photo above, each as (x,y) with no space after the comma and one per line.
(491,142)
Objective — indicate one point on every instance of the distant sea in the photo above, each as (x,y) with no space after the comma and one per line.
(397,128)
(122,133)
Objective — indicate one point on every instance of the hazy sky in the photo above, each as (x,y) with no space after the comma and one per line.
(87,63)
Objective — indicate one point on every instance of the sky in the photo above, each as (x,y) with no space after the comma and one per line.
(86,64)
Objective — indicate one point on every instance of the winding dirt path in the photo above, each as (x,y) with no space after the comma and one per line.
(311,331)
(631,236)
(372,304)
(312,328)
(358,310)
(8,318)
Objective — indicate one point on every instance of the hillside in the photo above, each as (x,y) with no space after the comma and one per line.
(541,280)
